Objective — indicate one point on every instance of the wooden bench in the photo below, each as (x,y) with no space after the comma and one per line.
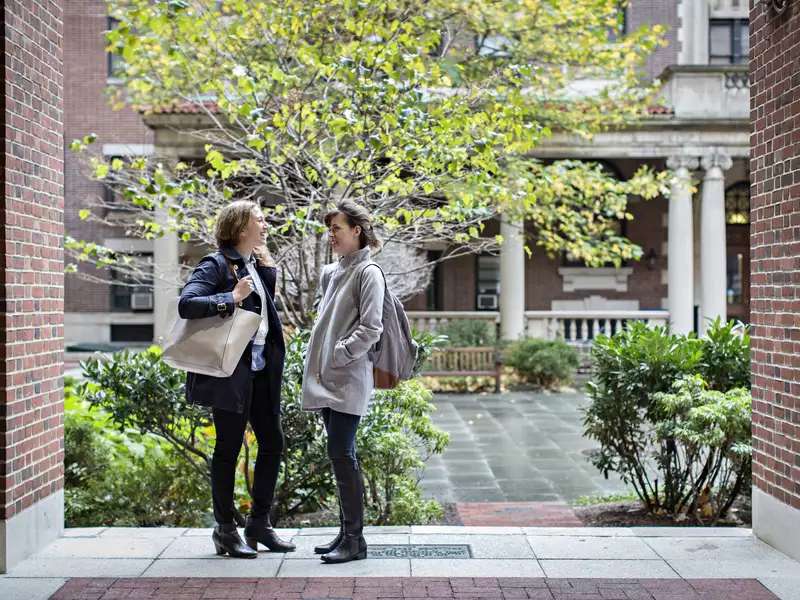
(459,362)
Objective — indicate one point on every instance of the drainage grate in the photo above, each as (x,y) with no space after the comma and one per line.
(419,551)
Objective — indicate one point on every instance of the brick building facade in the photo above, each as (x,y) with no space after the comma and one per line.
(90,308)
(775,313)
(32,301)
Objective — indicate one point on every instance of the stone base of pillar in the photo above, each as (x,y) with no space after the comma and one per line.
(776,523)
(31,530)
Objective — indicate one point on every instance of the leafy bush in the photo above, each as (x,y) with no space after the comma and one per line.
(468,332)
(106,471)
(140,393)
(630,415)
(726,355)
(704,441)
(545,363)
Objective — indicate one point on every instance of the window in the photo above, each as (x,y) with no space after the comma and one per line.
(115,64)
(728,41)
(737,204)
(433,296)
(132,333)
(734,275)
(126,295)
(620,27)
(488,282)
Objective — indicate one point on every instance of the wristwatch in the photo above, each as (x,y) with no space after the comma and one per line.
(222,307)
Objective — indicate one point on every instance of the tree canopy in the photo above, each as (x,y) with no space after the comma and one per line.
(426,112)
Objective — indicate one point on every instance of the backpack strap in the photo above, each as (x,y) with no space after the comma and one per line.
(360,276)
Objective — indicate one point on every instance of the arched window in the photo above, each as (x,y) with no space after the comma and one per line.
(737,204)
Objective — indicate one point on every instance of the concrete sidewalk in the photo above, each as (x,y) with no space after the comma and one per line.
(556,554)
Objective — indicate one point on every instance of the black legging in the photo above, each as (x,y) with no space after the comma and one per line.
(341,429)
(230,428)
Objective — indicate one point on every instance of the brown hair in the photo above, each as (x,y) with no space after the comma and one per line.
(355,214)
(232,221)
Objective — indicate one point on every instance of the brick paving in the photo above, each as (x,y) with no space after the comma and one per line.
(373,588)
(517,514)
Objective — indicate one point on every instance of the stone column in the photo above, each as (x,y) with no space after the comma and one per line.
(679,245)
(512,279)
(712,240)
(166,270)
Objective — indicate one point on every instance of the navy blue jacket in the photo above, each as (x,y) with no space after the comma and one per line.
(209,293)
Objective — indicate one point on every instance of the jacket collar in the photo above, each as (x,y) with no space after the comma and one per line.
(354,258)
(231,253)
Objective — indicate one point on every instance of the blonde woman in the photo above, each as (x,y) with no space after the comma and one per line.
(240,275)
(337,380)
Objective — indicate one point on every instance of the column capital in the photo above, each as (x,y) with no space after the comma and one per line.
(680,161)
(716,159)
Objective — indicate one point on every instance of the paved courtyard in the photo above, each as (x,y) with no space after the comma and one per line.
(416,562)
(515,446)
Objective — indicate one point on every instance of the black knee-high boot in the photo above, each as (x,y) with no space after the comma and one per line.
(352,546)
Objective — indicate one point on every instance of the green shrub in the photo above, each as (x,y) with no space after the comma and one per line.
(634,373)
(468,332)
(726,355)
(545,363)
(106,471)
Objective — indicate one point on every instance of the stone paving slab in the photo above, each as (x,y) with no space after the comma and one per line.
(518,447)
(455,588)
(584,547)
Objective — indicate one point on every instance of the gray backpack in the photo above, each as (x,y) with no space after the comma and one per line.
(393,356)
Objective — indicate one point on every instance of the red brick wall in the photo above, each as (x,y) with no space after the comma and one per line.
(87,111)
(663,12)
(775,249)
(31,233)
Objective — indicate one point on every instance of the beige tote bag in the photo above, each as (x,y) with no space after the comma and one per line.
(212,345)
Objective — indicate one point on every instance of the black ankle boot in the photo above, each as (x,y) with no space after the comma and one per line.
(226,540)
(259,530)
(352,546)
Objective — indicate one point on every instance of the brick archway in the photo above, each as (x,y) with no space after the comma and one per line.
(32,301)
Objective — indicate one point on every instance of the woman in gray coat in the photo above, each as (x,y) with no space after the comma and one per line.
(337,380)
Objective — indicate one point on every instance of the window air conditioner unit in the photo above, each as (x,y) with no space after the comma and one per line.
(487,301)
(142,301)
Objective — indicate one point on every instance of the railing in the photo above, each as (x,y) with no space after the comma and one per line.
(580,327)
(433,320)
(573,326)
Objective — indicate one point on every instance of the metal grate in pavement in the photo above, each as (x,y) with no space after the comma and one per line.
(419,551)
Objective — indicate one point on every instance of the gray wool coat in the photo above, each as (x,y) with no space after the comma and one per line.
(338,371)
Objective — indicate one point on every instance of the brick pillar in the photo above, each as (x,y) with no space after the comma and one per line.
(32,275)
(775,273)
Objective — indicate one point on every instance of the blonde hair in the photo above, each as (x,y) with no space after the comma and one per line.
(232,221)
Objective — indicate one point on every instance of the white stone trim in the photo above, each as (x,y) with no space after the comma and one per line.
(602,278)
(776,523)
(670,138)
(31,530)
(128,149)
(729,9)
(594,303)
